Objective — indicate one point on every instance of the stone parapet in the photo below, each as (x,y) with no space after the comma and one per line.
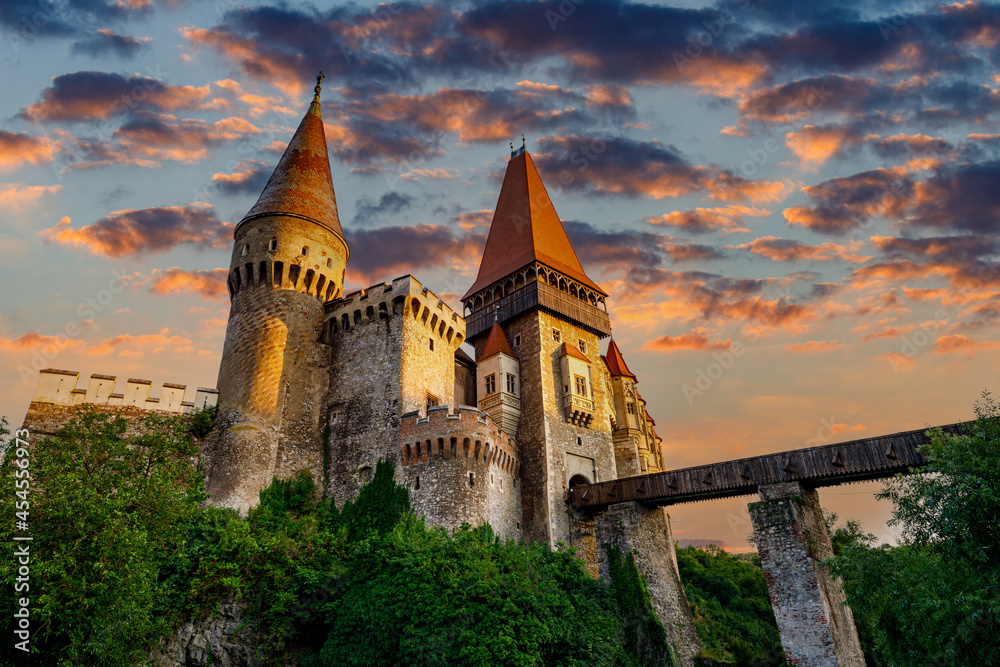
(59,387)
(461,468)
(405,295)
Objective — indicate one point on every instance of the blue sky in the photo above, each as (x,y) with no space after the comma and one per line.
(792,205)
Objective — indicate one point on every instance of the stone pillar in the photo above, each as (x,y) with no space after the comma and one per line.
(816,626)
(645,533)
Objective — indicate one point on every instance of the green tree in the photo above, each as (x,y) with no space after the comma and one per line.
(107,507)
(935,598)
(729,600)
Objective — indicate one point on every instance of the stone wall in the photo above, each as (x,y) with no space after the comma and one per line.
(817,628)
(646,534)
(550,446)
(57,399)
(273,374)
(382,366)
(460,468)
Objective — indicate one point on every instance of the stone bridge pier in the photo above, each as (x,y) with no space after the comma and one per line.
(816,626)
(645,533)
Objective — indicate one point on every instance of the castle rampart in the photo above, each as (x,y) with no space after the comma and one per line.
(461,468)
(57,397)
(396,343)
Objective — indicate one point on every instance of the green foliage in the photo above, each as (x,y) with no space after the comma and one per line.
(125,550)
(732,613)
(379,506)
(417,596)
(641,627)
(106,510)
(202,422)
(935,599)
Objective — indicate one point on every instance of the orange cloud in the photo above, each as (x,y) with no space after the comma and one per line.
(725,220)
(133,232)
(209,284)
(17,197)
(960,343)
(694,340)
(814,347)
(17,149)
(787,250)
(815,145)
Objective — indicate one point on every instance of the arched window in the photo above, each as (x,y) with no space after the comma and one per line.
(273,245)
(246,250)
(305,251)
(329,262)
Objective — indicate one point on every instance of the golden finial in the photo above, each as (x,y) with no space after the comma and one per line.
(319,82)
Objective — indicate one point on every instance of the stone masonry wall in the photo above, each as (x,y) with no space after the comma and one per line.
(273,374)
(646,534)
(460,468)
(547,442)
(382,365)
(817,629)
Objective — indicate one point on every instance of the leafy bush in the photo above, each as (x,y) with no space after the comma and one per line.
(732,612)
(935,598)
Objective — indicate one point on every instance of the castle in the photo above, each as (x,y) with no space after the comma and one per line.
(315,378)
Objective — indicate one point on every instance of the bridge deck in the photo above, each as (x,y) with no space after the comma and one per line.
(827,465)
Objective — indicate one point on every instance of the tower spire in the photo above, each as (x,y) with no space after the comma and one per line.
(301,185)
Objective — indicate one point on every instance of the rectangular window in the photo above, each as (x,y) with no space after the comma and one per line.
(556,336)
(583,346)
(431,342)
(581,385)
(511,384)
(630,406)
(491,384)
(432,400)
(517,340)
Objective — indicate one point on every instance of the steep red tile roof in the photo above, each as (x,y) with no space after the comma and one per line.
(572,351)
(648,418)
(496,343)
(301,184)
(616,362)
(525,229)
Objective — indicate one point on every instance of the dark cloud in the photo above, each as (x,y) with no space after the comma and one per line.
(963,198)
(134,232)
(625,250)
(109,43)
(842,204)
(369,211)
(388,252)
(97,95)
(18,148)
(625,167)
(248,178)
(408,128)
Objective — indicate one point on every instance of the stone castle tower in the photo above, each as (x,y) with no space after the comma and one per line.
(289,257)
(532,285)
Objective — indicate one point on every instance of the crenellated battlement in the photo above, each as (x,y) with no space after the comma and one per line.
(468,435)
(59,387)
(404,296)
(460,468)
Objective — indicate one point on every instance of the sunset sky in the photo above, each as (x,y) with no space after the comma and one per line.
(793,205)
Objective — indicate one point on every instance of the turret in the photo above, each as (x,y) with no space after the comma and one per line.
(498,382)
(289,256)
(628,422)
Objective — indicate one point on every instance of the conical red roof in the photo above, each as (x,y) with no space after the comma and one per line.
(525,229)
(301,184)
(495,344)
(616,362)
